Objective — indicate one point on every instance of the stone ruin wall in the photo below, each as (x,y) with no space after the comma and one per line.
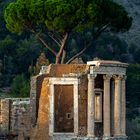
(15,116)
(40,92)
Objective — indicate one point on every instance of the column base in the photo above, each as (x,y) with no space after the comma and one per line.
(92,138)
(115,138)
(106,138)
(73,138)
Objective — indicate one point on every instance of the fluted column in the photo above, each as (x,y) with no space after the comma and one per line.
(123,107)
(117,106)
(106,106)
(91,106)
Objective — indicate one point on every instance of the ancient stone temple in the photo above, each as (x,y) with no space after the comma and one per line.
(79,102)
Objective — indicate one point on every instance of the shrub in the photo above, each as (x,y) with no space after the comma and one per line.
(20,86)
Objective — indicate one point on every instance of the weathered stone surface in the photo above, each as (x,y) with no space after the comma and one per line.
(41,131)
(60,70)
(5,112)
(20,117)
(15,116)
(33,94)
(91,106)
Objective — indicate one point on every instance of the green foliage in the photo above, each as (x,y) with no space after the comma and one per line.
(7,46)
(109,47)
(137,55)
(111,12)
(132,48)
(7,51)
(16,57)
(17,15)
(133,82)
(3,30)
(26,54)
(20,86)
(64,15)
(133,129)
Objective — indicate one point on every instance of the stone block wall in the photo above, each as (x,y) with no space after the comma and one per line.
(41,130)
(15,116)
(4,116)
(35,91)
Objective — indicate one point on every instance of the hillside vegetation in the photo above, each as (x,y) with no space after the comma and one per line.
(133,8)
(21,57)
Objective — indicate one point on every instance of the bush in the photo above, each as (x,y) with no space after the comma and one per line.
(20,86)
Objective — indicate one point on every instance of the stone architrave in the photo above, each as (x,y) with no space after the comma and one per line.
(106,106)
(117,106)
(91,106)
(123,107)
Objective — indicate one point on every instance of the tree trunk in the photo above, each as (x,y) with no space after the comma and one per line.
(58,56)
(63,56)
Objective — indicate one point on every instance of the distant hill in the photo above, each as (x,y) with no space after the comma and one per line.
(133,8)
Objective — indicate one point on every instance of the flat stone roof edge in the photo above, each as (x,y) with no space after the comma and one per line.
(107,63)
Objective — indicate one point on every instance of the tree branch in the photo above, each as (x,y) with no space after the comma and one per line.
(100,30)
(51,36)
(97,34)
(61,48)
(77,55)
(44,43)
(64,53)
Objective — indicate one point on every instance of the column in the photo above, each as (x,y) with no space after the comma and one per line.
(117,106)
(51,110)
(91,106)
(76,121)
(112,90)
(33,98)
(106,106)
(123,107)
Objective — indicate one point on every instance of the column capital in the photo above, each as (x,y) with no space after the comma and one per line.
(117,77)
(92,76)
(107,77)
